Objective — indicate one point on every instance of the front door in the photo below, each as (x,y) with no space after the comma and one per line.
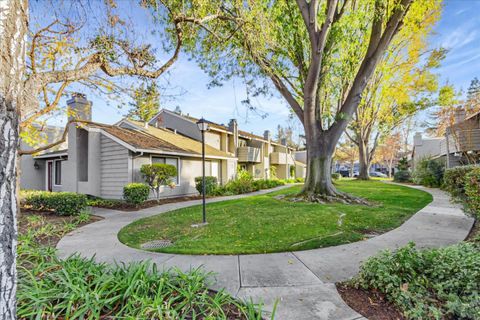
(49,175)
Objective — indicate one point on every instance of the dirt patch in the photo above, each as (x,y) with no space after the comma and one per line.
(54,225)
(370,304)
(123,206)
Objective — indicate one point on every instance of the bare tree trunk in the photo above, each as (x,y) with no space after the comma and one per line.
(363,161)
(319,170)
(13,28)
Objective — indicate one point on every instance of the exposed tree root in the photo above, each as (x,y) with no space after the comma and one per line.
(333,197)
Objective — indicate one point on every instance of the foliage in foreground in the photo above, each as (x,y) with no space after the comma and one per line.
(79,288)
(427,284)
(472,191)
(62,203)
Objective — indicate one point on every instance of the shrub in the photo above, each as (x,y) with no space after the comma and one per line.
(472,191)
(157,175)
(402,176)
(429,172)
(62,203)
(425,284)
(211,184)
(103,203)
(454,180)
(300,180)
(242,184)
(336,176)
(136,193)
(267,184)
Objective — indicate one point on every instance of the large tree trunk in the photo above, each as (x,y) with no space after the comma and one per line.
(363,161)
(13,30)
(319,171)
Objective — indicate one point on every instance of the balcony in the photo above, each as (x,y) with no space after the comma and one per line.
(281,158)
(249,154)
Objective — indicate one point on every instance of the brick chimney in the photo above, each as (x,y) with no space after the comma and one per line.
(79,108)
(266,135)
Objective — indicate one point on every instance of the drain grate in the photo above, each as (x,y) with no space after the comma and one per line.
(156,244)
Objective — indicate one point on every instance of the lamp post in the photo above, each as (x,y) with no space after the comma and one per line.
(203,126)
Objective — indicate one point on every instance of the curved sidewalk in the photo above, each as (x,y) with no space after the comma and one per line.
(302,281)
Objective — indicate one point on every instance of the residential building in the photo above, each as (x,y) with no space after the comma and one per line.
(459,146)
(259,155)
(100,159)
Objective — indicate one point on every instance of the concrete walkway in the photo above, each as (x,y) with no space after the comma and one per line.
(302,281)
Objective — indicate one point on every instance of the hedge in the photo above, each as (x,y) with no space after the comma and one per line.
(62,203)
(429,172)
(472,191)
(136,193)
(402,176)
(211,184)
(454,179)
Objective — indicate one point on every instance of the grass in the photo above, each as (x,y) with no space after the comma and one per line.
(261,224)
(80,288)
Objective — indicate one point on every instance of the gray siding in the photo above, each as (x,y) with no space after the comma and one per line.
(114,160)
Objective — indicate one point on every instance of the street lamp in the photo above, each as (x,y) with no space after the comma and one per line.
(203,126)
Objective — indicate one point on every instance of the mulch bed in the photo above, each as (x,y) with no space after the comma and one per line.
(474,235)
(370,304)
(123,206)
(51,218)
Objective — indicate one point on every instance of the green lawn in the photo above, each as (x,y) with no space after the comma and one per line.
(261,224)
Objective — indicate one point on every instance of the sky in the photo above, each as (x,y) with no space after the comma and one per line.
(458,30)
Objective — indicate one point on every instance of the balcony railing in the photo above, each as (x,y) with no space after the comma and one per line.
(249,154)
(281,158)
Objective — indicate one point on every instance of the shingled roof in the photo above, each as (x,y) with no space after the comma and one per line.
(156,140)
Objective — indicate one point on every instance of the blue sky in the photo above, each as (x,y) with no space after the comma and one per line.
(458,30)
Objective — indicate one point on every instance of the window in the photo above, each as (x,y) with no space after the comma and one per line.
(58,172)
(172,161)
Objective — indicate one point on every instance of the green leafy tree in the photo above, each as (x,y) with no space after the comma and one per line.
(401,86)
(146,102)
(472,103)
(157,175)
(41,59)
(319,55)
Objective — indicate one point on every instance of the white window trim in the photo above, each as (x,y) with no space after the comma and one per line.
(54,175)
(179,167)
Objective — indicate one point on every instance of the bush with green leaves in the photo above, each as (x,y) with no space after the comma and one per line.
(299,180)
(454,180)
(472,191)
(336,176)
(157,175)
(402,176)
(211,183)
(427,284)
(267,184)
(243,183)
(429,172)
(136,193)
(62,203)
